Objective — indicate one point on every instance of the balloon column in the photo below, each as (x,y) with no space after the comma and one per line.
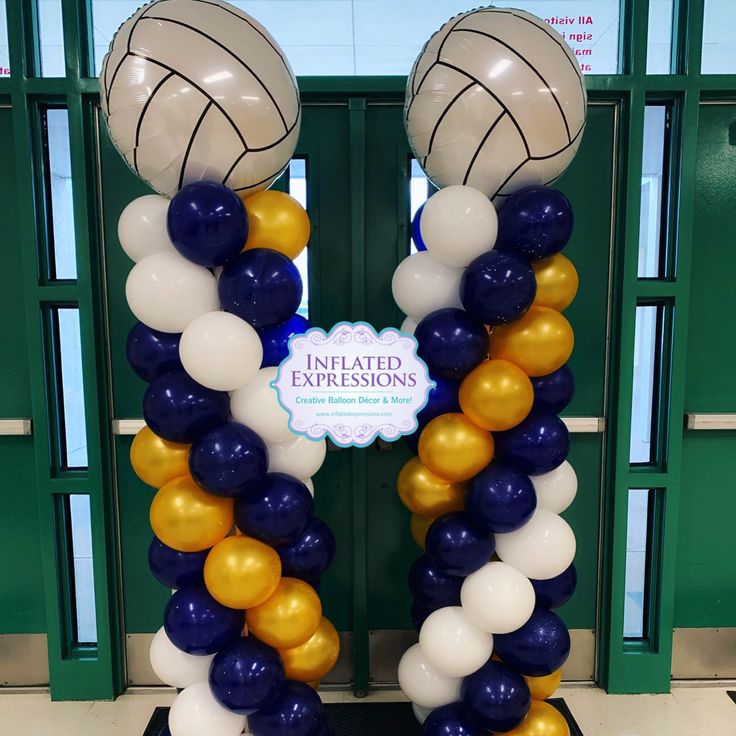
(202,103)
(495,110)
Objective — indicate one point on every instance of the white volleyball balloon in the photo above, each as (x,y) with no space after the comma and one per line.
(557,489)
(257,406)
(422,684)
(453,644)
(421,285)
(421,713)
(220,351)
(497,598)
(495,100)
(408,326)
(142,227)
(309,483)
(175,667)
(197,90)
(195,711)
(541,549)
(300,457)
(458,224)
(166,291)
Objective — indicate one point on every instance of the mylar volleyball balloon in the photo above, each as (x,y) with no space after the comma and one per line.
(495,101)
(194,91)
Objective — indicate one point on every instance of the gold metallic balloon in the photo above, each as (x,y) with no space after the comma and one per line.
(454,448)
(289,617)
(188,519)
(277,221)
(542,720)
(241,572)
(425,494)
(539,342)
(496,395)
(157,461)
(557,282)
(544,687)
(314,684)
(419,528)
(312,660)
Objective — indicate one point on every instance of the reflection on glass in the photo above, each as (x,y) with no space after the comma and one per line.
(70,386)
(719,37)
(59,196)
(85,618)
(637,537)
(298,190)
(419,187)
(647,355)
(659,40)
(652,235)
(51,34)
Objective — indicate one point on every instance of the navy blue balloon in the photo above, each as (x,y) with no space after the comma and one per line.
(432,587)
(261,286)
(324,729)
(537,445)
(442,399)
(420,613)
(277,511)
(555,592)
(175,569)
(207,223)
(496,697)
(451,343)
(196,623)
(228,460)
(538,648)
(275,339)
(179,409)
(297,711)
(246,675)
(500,498)
(451,720)
(554,391)
(310,554)
(152,353)
(457,545)
(416,231)
(497,288)
(535,223)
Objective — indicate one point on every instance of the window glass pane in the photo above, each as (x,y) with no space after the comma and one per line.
(719,37)
(69,373)
(298,190)
(59,197)
(419,187)
(647,353)
(84,579)
(652,246)
(659,42)
(52,38)
(636,562)
(4,52)
(374,37)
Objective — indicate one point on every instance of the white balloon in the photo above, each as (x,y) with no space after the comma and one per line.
(541,549)
(421,713)
(421,285)
(300,457)
(175,667)
(142,227)
(458,224)
(453,644)
(257,406)
(166,291)
(196,711)
(557,489)
(408,326)
(309,483)
(497,598)
(422,684)
(220,351)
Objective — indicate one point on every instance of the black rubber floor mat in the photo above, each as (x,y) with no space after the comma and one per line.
(363,719)
(731,694)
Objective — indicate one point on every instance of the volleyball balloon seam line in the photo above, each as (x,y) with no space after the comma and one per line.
(144,109)
(479,148)
(467,87)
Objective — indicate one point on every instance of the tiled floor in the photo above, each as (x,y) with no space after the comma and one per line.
(688,711)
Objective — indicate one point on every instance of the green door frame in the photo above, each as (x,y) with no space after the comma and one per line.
(99,673)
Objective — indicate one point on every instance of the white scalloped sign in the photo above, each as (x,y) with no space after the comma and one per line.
(353,384)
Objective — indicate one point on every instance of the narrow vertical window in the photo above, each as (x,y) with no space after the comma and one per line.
(659,40)
(51,32)
(719,37)
(4,51)
(85,618)
(638,525)
(298,190)
(419,190)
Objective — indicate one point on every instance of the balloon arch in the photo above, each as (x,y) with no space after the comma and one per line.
(202,103)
